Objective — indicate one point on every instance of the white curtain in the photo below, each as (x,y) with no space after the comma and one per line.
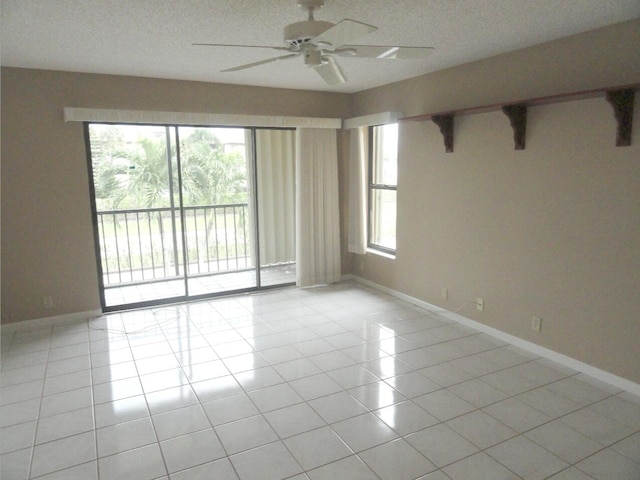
(317,210)
(275,155)
(357,215)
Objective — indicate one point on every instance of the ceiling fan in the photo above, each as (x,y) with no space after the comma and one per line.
(319,42)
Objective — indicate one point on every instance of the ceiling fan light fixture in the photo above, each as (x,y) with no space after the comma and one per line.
(313,58)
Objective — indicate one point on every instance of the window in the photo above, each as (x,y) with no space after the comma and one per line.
(383,173)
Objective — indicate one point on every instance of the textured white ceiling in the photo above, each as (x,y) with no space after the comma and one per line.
(153,38)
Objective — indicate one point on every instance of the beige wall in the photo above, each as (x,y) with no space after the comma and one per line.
(552,231)
(596,59)
(47,238)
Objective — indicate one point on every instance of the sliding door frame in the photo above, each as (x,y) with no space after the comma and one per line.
(252,178)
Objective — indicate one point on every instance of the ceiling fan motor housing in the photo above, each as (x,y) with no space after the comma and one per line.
(298,34)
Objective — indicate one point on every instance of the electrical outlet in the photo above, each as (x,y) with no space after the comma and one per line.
(47,302)
(536,324)
(480,304)
(445,294)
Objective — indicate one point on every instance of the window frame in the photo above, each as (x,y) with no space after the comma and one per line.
(373,187)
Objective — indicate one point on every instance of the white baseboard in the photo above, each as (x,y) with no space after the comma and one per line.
(598,374)
(58,319)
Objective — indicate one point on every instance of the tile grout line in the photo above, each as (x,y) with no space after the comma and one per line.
(361,362)
(44,380)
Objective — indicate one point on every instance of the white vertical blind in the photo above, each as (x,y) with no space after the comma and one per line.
(317,210)
(357,213)
(275,155)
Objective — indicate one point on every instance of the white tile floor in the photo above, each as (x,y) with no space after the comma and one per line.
(338,382)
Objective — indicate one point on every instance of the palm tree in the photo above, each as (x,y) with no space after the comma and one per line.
(209,175)
(108,173)
(128,175)
(148,180)
(136,174)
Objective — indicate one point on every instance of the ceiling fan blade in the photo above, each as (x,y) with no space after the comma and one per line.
(261,62)
(238,46)
(331,72)
(342,33)
(386,51)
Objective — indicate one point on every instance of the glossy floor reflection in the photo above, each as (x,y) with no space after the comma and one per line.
(338,382)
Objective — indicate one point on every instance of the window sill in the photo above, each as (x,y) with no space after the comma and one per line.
(390,256)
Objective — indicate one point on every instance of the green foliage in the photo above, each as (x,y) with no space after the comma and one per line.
(147,184)
(132,173)
(132,169)
(209,175)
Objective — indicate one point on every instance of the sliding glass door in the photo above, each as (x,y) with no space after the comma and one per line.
(216,169)
(184,212)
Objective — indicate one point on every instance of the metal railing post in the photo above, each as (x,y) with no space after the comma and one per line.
(114,256)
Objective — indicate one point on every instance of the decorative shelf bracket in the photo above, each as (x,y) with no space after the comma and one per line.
(518,118)
(622,103)
(621,99)
(445,124)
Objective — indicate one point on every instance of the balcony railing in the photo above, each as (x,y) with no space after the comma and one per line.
(145,245)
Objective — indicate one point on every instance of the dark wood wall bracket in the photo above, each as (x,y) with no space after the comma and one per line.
(621,99)
(445,124)
(622,103)
(517,115)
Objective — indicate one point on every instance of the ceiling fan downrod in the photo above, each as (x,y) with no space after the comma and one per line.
(311,6)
